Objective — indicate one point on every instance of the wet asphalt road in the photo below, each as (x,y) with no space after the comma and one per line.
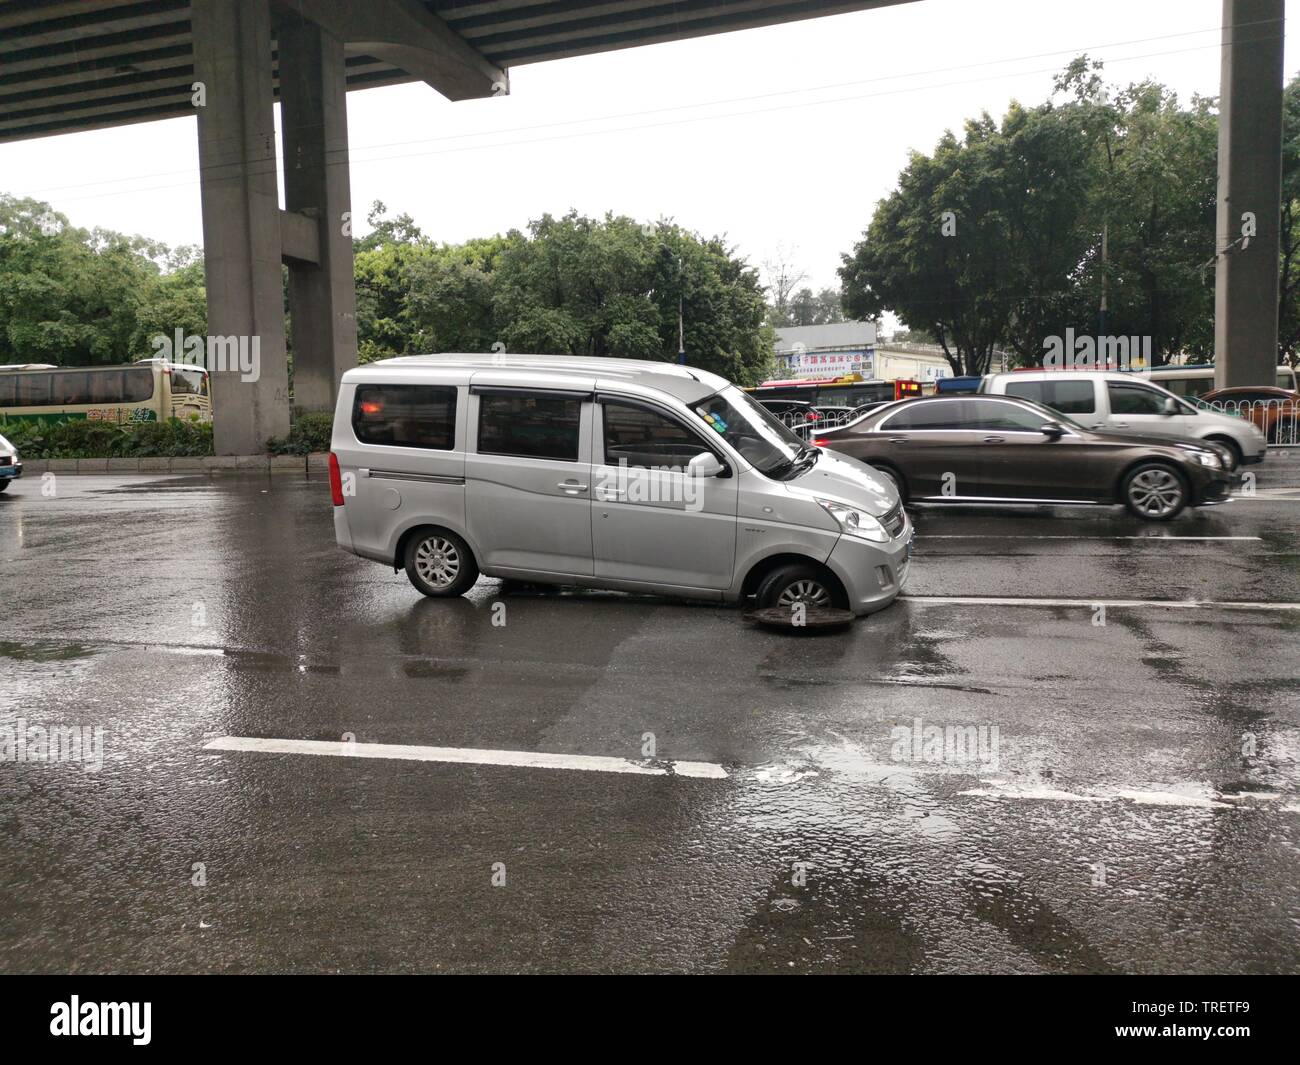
(1142,813)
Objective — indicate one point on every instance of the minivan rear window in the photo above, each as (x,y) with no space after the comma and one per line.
(406,415)
(528,426)
(1068,397)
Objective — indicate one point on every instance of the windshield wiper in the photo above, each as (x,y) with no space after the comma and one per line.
(804,458)
(807,456)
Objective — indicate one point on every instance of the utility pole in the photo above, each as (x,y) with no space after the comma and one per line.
(681,317)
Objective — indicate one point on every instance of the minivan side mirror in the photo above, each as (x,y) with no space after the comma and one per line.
(705,464)
(1053,429)
(1171,405)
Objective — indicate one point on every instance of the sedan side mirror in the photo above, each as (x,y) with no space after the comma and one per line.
(705,464)
(1055,430)
(1171,406)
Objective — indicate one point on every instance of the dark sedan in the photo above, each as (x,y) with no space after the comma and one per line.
(994,449)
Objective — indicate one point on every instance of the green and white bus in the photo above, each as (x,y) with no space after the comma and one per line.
(146,391)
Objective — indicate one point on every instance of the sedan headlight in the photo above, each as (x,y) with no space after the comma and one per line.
(855,522)
(1209,458)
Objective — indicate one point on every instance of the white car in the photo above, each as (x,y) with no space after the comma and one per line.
(10,466)
(1126,403)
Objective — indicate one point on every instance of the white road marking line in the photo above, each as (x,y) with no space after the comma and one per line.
(1173,604)
(999,536)
(465,756)
(997,789)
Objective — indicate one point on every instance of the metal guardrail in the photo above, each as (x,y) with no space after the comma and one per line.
(827,418)
(1277,418)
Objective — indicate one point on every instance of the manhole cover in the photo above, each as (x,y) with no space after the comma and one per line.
(812,618)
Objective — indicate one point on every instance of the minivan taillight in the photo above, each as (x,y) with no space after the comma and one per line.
(336,481)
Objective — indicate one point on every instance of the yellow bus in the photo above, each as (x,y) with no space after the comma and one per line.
(146,391)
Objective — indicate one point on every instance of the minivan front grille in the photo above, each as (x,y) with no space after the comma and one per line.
(894,519)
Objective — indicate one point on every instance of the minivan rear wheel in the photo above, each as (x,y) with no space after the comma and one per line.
(440,564)
(800,582)
(1155,491)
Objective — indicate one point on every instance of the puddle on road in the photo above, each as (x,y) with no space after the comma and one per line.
(44,651)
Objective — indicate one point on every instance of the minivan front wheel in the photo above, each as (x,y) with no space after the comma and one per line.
(1155,491)
(439,563)
(797,582)
(1231,446)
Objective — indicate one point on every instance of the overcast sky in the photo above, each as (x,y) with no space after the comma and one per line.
(778,137)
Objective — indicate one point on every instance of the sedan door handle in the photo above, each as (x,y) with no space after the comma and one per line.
(572,487)
(995,440)
(898,440)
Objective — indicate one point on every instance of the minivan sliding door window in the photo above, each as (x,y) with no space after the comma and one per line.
(528,426)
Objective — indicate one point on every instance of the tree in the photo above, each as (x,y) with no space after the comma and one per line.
(815,308)
(570,285)
(1288,340)
(72,296)
(1011,234)
(1154,196)
(934,250)
(783,278)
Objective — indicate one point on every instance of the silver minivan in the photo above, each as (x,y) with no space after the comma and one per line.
(1126,403)
(608,473)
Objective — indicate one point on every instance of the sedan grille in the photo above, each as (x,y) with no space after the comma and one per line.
(894,519)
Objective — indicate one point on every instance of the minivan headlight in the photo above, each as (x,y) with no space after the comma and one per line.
(855,522)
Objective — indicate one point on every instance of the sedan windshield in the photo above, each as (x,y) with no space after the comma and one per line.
(747,426)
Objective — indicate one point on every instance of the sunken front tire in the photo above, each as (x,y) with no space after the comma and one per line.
(799,582)
(1154,491)
(440,564)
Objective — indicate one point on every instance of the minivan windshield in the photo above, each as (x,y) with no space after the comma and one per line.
(747,426)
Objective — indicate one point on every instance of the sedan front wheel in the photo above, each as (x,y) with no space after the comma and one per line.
(1155,491)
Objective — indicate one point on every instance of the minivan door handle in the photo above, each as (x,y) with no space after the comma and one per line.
(571,487)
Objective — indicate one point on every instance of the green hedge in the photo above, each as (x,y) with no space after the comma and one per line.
(309,432)
(83,439)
